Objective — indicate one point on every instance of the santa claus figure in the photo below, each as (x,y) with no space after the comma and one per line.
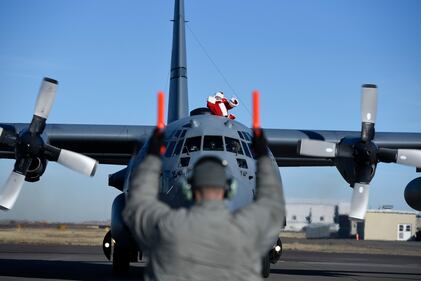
(219,105)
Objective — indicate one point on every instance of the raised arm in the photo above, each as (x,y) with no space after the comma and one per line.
(263,218)
(230,104)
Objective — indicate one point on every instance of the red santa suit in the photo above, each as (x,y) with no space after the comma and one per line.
(219,105)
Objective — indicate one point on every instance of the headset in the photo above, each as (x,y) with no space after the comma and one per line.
(230,188)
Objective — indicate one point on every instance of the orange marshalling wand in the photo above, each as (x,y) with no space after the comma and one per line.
(161,104)
(256,109)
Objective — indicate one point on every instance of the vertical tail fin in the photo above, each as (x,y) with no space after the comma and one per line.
(178,106)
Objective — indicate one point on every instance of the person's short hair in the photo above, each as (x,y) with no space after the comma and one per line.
(209,171)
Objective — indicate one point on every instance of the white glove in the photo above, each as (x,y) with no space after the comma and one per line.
(234,102)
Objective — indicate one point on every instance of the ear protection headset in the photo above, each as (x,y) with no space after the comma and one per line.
(230,187)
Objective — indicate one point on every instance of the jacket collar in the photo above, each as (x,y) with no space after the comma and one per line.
(212,204)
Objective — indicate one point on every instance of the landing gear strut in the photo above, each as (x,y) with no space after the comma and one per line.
(121,257)
(272,257)
(265,266)
(121,261)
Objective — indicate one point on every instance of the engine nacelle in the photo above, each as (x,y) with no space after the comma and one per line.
(117,179)
(36,170)
(413,194)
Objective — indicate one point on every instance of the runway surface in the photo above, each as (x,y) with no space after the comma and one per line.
(29,262)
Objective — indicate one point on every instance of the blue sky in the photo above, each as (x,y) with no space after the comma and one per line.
(308,58)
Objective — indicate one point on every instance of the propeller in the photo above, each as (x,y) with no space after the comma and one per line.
(11,190)
(357,158)
(30,147)
(316,148)
(359,201)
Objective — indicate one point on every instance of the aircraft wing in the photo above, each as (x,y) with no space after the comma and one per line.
(284,144)
(109,144)
(116,144)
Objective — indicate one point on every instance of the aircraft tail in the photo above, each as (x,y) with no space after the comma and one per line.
(178,105)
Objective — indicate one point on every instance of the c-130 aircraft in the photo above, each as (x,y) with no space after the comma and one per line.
(191,136)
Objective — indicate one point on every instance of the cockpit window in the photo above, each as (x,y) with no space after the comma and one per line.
(251,150)
(192,144)
(233,145)
(246,149)
(213,143)
(247,136)
(183,133)
(177,133)
(240,134)
(184,161)
(178,147)
(170,149)
(242,163)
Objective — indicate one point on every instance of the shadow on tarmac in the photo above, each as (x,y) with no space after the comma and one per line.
(341,273)
(83,270)
(66,270)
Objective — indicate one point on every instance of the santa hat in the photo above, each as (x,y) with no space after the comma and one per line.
(219,94)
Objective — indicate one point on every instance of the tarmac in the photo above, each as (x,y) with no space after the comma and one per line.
(38,262)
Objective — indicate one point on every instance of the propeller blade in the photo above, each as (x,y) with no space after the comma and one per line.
(369,103)
(77,162)
(11,190)
(316,148)
(46,96)
(410,157)
(359,201)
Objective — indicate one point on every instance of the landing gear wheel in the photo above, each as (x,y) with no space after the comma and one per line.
(121,262)
(265,266)
(107,245)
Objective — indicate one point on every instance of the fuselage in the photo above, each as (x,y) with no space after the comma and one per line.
(193,137)
(187,140)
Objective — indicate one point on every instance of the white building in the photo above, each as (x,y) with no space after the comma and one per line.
(321,219)
(300,214)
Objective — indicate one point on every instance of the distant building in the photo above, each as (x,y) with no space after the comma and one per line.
(301,214)
(390,225)
(326,219)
